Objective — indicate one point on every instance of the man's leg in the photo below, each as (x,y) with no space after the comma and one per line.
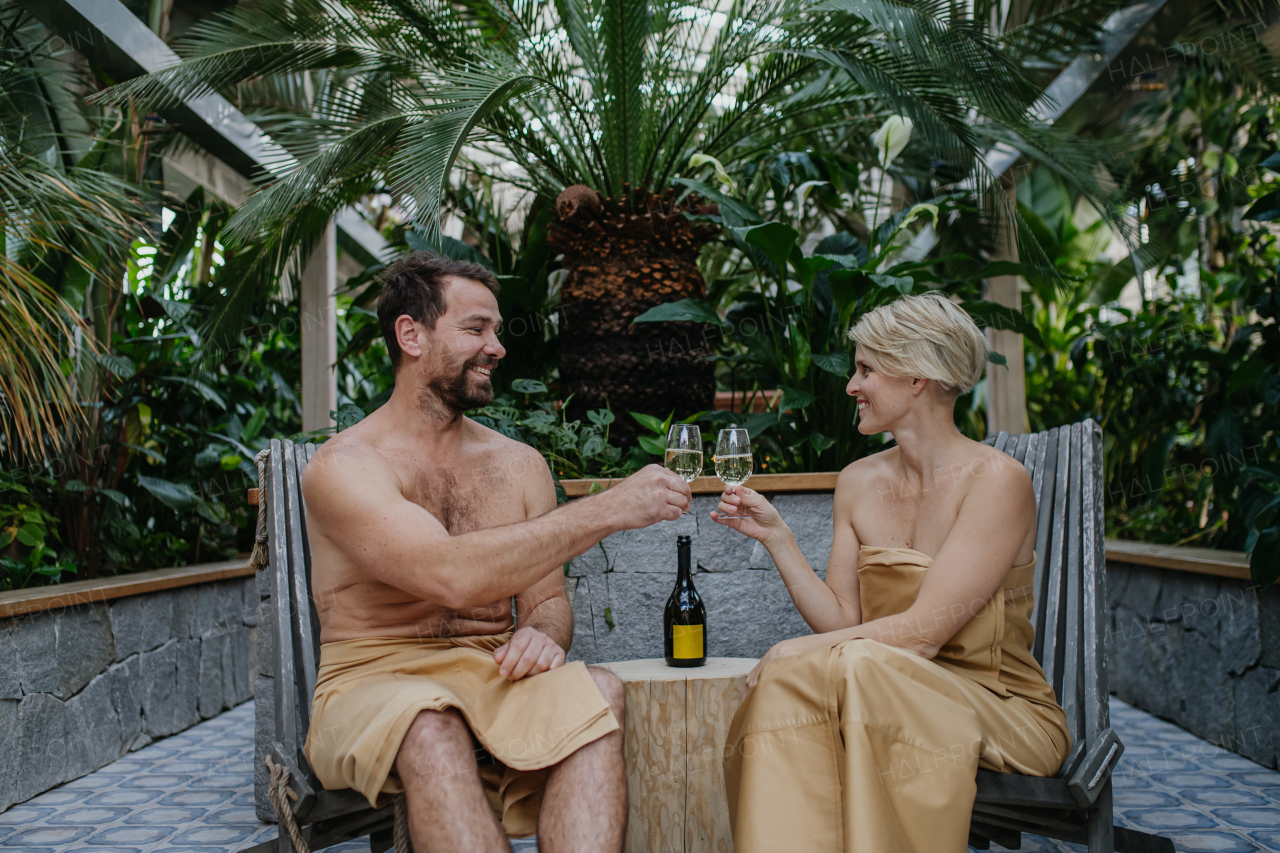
(584,807)
(448,809)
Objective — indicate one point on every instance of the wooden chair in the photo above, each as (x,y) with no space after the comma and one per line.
(321,818)
(1071,645)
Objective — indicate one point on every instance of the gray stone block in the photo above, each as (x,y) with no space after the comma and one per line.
(1256,718)
(809,517)
(635,601)
(157,620)
(184,612)
(1140,672)
(717,548)
(651,549)
(264,730)
(125,681)
(215,665)
(593,562)
(265,652)
(94,737)
(1117,582)
(1142,591)
(1239,637)
(240,686)
(249,602)
(584,633)
(42,762)
(158,672)
(1207,704)
(1269,626)
(187,706)
(35,638)
(263,582)
(10,672)
(84,646)
(126,625)
(207,610)
(10,739)
(747,613)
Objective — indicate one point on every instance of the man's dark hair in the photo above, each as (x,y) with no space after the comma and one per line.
(414,285)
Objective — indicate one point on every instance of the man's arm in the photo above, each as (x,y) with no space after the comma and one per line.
(353,498)
(544,619)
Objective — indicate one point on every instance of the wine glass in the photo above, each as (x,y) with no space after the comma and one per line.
(684,453)
(733,459)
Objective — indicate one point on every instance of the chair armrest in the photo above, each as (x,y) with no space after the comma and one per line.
(304,796)
(1087,782)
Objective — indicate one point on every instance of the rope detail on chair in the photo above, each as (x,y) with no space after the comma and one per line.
(400,831)
(279,794)
(260,557)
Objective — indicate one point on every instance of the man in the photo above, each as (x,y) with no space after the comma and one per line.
(423,526)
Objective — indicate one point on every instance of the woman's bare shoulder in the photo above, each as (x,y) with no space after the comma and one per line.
(863,472)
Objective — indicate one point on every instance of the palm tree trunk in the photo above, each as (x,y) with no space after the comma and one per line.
(624,256)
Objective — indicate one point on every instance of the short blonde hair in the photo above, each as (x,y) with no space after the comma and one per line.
(926,336)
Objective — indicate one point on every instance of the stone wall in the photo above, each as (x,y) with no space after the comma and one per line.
(619,588)
(1200,651)
(82,686)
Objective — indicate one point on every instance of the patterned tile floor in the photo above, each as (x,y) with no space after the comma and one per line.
(193,792)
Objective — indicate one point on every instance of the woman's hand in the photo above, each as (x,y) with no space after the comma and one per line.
(762,522)
(785,649)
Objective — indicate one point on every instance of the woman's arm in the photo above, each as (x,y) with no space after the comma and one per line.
(990,530)
(826,606)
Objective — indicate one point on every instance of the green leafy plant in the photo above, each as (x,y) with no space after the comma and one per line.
(573,449)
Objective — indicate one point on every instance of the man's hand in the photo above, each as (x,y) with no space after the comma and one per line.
(528,652)
(648,496)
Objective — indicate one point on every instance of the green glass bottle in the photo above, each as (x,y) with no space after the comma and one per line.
(685,619)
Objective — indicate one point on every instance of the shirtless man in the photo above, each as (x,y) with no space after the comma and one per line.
(423,526)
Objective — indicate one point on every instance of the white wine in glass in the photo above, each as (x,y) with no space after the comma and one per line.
(733,459)
(684,452)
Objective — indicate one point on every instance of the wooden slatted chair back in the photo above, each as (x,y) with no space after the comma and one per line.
(1065,464)
(295,623)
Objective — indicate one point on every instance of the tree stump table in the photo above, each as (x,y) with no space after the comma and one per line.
(677,720)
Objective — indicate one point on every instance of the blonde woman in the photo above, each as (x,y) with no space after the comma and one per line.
(866,735)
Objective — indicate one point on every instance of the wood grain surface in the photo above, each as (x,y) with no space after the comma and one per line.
(676,725)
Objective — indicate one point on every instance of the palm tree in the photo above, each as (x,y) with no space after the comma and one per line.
(614,108)
(65,229)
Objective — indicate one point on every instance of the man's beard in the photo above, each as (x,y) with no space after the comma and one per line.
(457,394)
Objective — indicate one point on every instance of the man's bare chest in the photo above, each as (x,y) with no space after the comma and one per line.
(466,497)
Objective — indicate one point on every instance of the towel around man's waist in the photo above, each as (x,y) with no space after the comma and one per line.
(368,692)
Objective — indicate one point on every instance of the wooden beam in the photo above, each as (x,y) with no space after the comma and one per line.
(319,322)
(1180,558)
(80,593)
(113,38)
(1006,383)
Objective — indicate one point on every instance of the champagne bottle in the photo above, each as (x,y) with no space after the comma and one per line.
(685,619)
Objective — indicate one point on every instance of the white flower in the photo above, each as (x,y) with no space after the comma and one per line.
(891,138)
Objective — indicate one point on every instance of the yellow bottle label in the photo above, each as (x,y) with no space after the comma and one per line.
(687,642)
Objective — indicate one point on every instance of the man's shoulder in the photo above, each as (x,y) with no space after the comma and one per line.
(495,442)
(345,454)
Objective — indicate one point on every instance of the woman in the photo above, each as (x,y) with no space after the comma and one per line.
(866,736)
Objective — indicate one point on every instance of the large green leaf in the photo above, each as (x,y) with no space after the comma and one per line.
(775,239)
(735,212)
(686,310)
(998,316)
(1265,209)
(177,496)
(901,283)
(836,363)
